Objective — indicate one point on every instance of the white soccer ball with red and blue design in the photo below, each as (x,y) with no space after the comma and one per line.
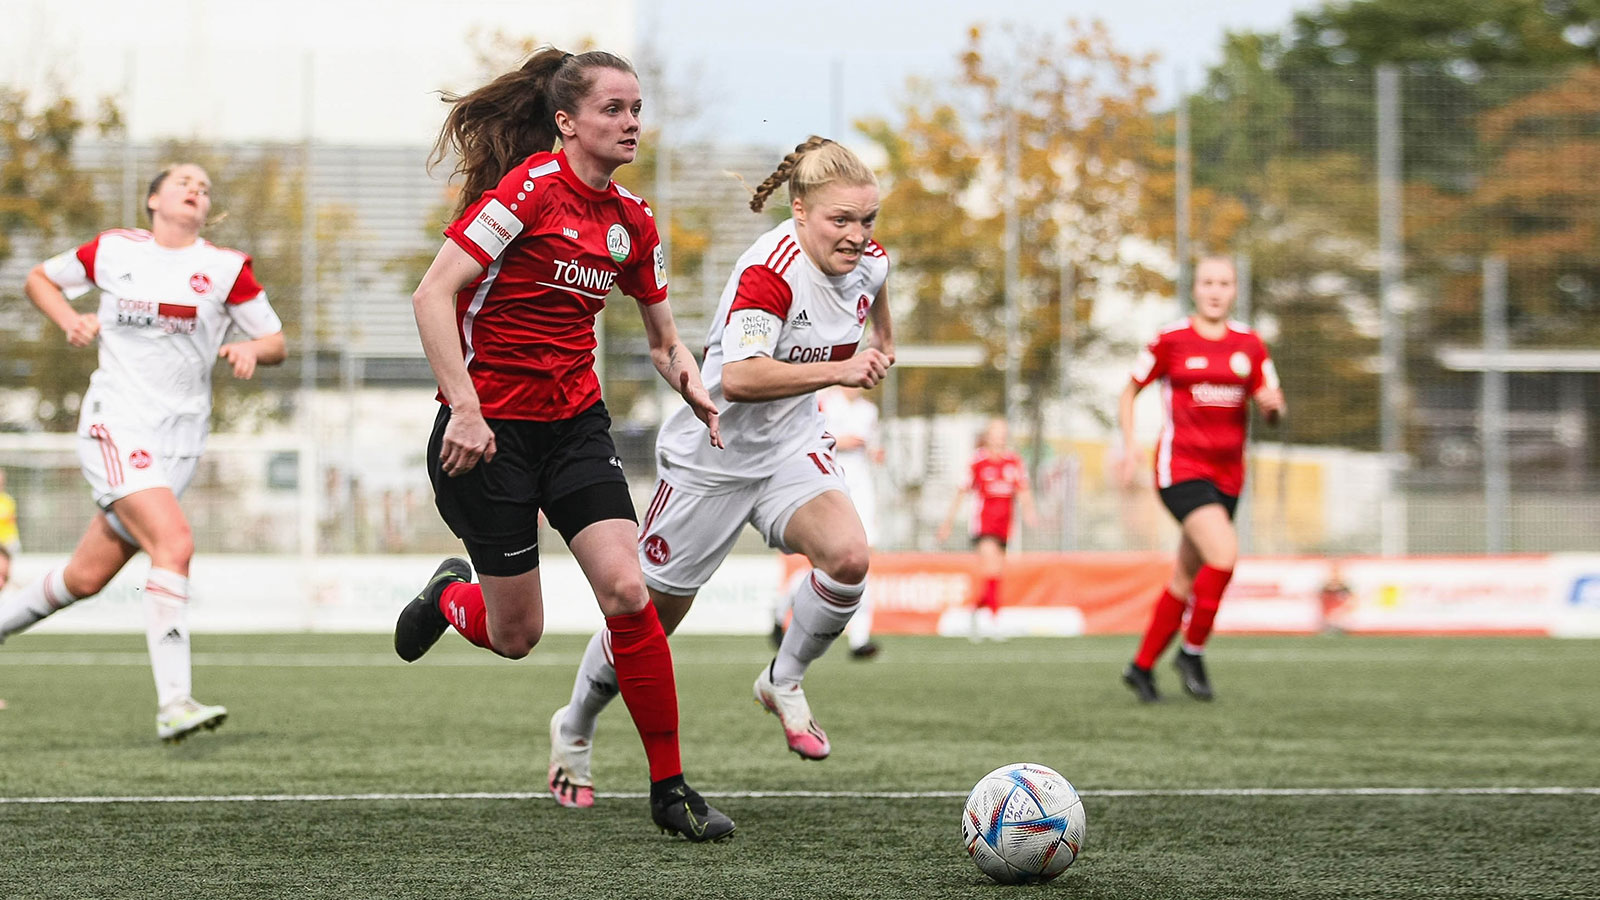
(1023,824)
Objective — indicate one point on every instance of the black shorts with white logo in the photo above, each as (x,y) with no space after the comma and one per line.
(568,468)
(1187,496)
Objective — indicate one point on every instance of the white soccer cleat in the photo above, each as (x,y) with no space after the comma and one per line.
(570,781)
(789,704)
(177,721)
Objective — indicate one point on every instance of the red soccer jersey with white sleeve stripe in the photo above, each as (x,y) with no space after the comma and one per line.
(552,248)
(1206,386)
(996,479)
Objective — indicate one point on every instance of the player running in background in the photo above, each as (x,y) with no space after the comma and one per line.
(167,299)
(507,318)
(1000,482)
(1208,367)
(788,324)
(852,419)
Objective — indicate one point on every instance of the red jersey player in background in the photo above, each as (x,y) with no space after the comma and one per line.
(1000,482)
(507,318)
(167,300)
(1208,367)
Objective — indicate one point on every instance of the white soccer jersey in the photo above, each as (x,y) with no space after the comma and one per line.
(163,315)
(778,304)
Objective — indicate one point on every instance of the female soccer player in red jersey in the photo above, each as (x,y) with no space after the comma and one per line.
(1000,482)
(507,313)
(167,299)
(1208,367)
(789,323)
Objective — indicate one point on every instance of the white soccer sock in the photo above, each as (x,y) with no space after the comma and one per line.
(594,687)
(35,601)
(822,608)
(166,605)
(859,631)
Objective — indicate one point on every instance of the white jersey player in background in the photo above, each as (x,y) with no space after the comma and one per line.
(852,420)
(789,324)
(167,299)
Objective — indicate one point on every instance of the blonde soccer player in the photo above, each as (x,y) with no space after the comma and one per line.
(789,323)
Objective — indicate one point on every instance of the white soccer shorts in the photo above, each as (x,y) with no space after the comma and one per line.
(118,461)
(685,536)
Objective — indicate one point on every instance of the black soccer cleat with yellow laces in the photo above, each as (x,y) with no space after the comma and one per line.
(681,810)
(421,623)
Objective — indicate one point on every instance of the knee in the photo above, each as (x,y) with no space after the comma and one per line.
(621,593)
(82,583)
(174,548)
(518,643)
(1223,559)
(848,567)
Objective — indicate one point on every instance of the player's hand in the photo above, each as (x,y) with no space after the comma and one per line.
(1128,468)
(865,369)
(243,357)
(1270,401)
(467,439)
(82,331)
(694,394)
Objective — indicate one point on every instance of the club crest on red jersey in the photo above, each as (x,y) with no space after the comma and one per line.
(656,550)
(140,459)
(200,282)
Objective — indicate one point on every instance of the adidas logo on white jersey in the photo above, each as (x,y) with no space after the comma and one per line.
(802,320)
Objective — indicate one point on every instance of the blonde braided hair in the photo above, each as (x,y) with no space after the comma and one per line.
(813,163)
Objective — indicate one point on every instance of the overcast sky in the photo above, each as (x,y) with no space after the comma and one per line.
(756,72)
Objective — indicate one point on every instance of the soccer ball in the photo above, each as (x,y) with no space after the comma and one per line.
(1023,823)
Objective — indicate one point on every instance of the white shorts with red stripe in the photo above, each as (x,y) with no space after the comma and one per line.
(118,460)
(685,536)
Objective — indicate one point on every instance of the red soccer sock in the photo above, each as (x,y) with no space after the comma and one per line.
(644,673)
(462,605)
(1164,622)
(989,597)
(1209,584)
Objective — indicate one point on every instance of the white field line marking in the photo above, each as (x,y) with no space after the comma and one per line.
(832,795)
(1068,655)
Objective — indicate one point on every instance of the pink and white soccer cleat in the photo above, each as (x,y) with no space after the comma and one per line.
(569,767)
(805,736)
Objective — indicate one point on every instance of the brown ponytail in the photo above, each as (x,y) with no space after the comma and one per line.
(493,128)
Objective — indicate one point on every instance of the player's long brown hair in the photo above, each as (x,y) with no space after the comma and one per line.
(493,128)
(815,162)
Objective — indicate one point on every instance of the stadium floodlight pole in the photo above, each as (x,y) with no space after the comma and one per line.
(1013,361)
(308,305)
(1181,242)
(1496,460)
(1391,267)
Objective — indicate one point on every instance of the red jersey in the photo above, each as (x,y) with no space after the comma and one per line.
(1206,386)
(996,479)
(552,248)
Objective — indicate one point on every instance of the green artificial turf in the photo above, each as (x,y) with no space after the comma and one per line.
(338,715)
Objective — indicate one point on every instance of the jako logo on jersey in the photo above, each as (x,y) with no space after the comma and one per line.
(1195,362)
(656,550)
(569,233)
(1239,362)
(569,272)
(1207,394)
(617,243)
(862,305)
(200,283)
(140,459)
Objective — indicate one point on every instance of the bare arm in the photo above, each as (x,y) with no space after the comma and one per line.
(1128,465)
(269,350)
(80,328)
(467,438)
(762,378)
(1030,515)
(676,364)
(882,338)
(950,516)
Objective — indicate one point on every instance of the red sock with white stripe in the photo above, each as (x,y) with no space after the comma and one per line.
(1209,584)
(462,605)
(1165,620)
(822,609)
(33,602)
(643,663)
(166,605)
